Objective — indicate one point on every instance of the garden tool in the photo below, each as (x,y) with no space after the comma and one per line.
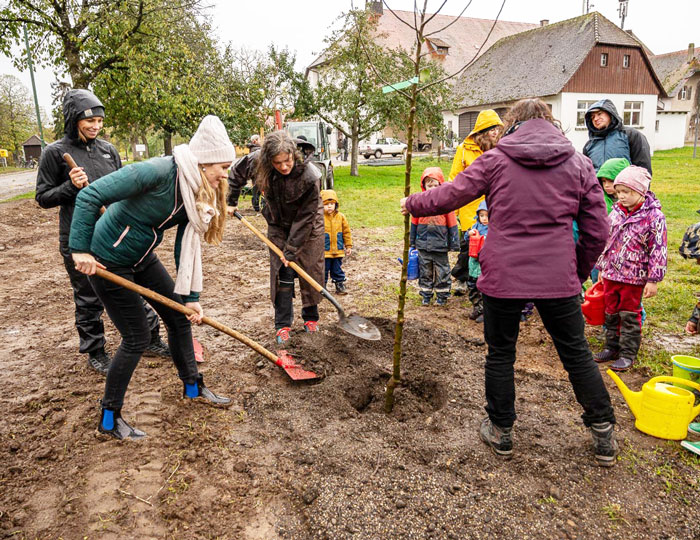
(284,360)
(353,324)
(593,306)
(660,409)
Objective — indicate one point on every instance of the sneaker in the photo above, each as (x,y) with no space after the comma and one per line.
(606,447)
(606,355)
(622,364)
(479,318)
(500,440)
(459,288)
(99,360)
(112,424)
(157,347)
(693,447)
(198,391)
(694,431)
(282,335)
(340,287)
(311,326)
(425,301)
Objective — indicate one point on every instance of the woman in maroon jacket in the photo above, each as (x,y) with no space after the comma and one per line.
(536,186)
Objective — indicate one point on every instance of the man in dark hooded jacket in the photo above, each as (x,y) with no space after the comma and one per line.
(58,185)
(609,138)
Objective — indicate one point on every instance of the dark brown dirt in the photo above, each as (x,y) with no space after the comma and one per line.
(293,460)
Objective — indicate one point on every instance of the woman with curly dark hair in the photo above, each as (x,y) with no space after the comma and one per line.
(294,215)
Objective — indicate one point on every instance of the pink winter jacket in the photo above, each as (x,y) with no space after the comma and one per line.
(636,250)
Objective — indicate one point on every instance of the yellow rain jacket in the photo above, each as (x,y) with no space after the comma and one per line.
(338,235)
(465,155)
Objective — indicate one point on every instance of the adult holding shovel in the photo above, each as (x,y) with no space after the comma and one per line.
(536,185)
(294,215)
(57,184)
(187,190)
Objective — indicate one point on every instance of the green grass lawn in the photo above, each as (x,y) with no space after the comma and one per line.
(371,200)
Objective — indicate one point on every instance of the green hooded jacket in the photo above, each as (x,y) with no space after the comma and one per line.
(610,169)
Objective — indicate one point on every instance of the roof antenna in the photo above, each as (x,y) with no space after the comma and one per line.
(622,11)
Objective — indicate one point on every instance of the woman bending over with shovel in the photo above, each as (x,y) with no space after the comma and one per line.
(187,190)
(294,215)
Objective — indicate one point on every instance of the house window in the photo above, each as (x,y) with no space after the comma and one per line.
(686,92)
(632,115)
(604,59)
(626,61)
(442,51)
(581,108)
(656,128)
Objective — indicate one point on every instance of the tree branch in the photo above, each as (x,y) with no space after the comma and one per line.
(449,24)
(399,18)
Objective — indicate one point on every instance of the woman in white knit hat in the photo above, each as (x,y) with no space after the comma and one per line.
(142,200)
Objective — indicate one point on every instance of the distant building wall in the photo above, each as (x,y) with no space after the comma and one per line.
(671,130)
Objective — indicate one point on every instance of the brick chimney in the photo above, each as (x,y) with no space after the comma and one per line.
(375,6)
(544,22)
(691,52)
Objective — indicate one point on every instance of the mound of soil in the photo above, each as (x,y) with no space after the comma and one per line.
(305,460)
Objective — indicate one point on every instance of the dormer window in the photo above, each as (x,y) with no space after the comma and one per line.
(442,50)
(439,47)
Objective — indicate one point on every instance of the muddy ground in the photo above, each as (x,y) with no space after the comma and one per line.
(305,460)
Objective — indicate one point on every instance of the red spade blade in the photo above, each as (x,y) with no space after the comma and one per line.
(291,368)
(198,351)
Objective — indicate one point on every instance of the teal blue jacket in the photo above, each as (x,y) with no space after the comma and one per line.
(142,201)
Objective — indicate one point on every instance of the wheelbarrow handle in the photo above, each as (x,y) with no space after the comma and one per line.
(298,269)
(172,304)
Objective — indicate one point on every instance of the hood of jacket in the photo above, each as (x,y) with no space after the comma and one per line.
(537,144)
(330,195)
(615,119)
(75,103)
(432,172)
(612,167)
(486,119)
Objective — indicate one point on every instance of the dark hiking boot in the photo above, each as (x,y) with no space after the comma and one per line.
(157,347)
(99,360)
(340,287)
(622,364)
(606,355)
(441,301)
(425,301)
(479,318)
(112,424)
(199,392)
(606,447)
(500,440)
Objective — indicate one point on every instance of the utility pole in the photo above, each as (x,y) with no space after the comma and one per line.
(622,11)
(31,74)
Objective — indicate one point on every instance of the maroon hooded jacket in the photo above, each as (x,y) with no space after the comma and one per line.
(536,185)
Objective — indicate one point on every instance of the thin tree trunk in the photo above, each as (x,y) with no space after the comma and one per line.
(144,141)
(355,144)
(168,143)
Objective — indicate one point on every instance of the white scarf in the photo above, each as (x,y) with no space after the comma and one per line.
(189,274)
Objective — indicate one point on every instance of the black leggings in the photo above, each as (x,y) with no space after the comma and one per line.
(125,308)
(284,310)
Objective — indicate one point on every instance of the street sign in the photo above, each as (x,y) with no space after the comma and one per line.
(3,152)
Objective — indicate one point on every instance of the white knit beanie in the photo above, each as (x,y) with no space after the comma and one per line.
(210,144)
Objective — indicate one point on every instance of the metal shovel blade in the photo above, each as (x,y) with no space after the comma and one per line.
(360,327)
(295,371)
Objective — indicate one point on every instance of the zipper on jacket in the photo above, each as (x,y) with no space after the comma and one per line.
(155,234)
(121,236)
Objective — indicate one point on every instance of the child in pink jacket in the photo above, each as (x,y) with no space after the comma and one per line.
(631,265)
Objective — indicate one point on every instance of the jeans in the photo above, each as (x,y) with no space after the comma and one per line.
(334,268)
(284,309)
(125,308)
(434,274)
(563,319)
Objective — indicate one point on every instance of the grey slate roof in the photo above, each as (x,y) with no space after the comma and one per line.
(673,69)
(538,62)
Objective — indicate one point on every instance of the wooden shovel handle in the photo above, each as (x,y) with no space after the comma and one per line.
(172,304)
(298,269)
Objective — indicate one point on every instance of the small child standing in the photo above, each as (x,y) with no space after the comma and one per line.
(631,265)
(480,227)
(434,237)
(606,176)
(690,249)
(338,240)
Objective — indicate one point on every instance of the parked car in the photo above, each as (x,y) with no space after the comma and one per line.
(387,145)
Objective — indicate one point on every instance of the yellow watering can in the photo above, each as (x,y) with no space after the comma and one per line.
(661,410)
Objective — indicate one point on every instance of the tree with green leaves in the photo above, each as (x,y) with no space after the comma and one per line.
(349,94)
(17,117)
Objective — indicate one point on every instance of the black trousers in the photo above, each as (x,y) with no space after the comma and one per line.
(460,271)
(563,319)
(125,308)
(88,308)
(284,307)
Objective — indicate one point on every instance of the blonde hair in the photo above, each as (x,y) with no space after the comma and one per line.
(217,199)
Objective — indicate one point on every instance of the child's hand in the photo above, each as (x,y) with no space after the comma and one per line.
(404,211)
(650,290)
(348,251)
(691,327)
(471,232)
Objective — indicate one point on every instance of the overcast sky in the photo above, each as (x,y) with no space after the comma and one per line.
(301,25)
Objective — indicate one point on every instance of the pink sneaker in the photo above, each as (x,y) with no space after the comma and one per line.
(311,326)
(282,335)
